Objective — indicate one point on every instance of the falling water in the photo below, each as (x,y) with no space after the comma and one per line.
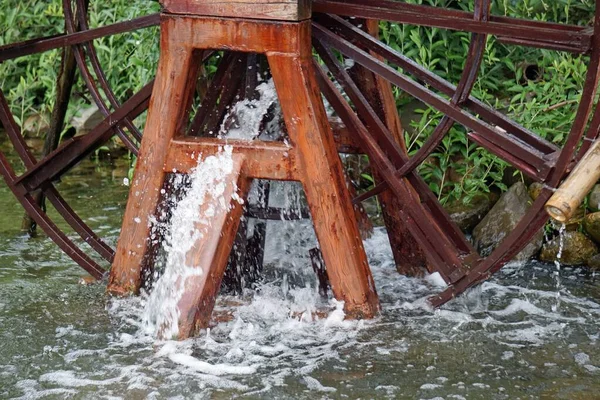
(187,226)
(561,245)
(244,118)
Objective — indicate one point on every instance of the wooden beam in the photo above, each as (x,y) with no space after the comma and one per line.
(276,37)
(282,10)
(264,160)
(211,252)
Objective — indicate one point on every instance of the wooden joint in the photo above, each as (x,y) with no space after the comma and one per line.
(264,160)
(235,34)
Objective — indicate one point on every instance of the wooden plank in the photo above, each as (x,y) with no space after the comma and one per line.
(324,184)
(211,252)
(172,93)
(264,160)
(249,36)
(344,140)
(284,10)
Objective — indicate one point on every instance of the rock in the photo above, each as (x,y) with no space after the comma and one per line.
(502,220)
(534,190)
(88,119)
(591,224)
(594,262)
(594,199)
(36,124)
(512,176)
(577,249)
(87,280)
(467,216)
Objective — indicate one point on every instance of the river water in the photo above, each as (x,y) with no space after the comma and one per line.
(512,337)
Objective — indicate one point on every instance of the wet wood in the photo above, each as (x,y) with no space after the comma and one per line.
(324,183)
(209,33)
(283,10)
(408,256)
(209,256)
(316,259)
(311,157)
(65,81)
(265,160)
(172,92)
(571,193)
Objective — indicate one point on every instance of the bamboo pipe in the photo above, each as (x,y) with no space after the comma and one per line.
(569,196)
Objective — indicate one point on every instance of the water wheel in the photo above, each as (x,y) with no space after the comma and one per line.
(343,33)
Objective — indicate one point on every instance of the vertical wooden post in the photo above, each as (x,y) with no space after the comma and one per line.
(408,256)
(324,184)
(171,96)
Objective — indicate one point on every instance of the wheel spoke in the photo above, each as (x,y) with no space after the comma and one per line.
(74,150)
(584,110)
(529,225)
(50,191)
(101,76)
(87,77)
(523,156)
(39,45)
(492,116)
(442,251)
(388,145)
(551,36)
(220,94)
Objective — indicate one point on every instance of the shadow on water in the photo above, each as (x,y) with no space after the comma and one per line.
(59,339)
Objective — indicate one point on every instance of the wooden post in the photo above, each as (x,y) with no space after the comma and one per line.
(408,256)
(168,105)
(328,199)
(211,253)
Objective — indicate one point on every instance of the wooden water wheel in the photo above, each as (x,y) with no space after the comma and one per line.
(420,230)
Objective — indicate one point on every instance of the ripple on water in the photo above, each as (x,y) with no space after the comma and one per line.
(501,340)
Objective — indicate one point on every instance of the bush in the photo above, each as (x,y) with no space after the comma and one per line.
(544,99)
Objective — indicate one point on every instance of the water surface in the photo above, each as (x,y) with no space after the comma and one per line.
(60,339)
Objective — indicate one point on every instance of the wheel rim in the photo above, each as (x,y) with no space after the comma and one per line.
(446,247)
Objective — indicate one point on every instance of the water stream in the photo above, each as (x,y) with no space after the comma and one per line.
(503,340)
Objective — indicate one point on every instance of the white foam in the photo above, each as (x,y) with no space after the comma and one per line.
(211,369)
(186,227)
(314,384)
(243,121)
(436,280)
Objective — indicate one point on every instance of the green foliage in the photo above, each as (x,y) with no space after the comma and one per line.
(458,169)
(129,60)
(544,102)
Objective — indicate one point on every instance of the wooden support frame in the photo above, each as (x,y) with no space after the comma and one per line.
(311,158)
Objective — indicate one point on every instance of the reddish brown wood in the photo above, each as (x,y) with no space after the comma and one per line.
(265,160)
(323,182)
(171,93)
(281,10)
(209,33)
(408,255)
(211,253)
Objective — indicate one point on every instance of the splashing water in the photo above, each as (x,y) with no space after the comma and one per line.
(187,226)
(243,121)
